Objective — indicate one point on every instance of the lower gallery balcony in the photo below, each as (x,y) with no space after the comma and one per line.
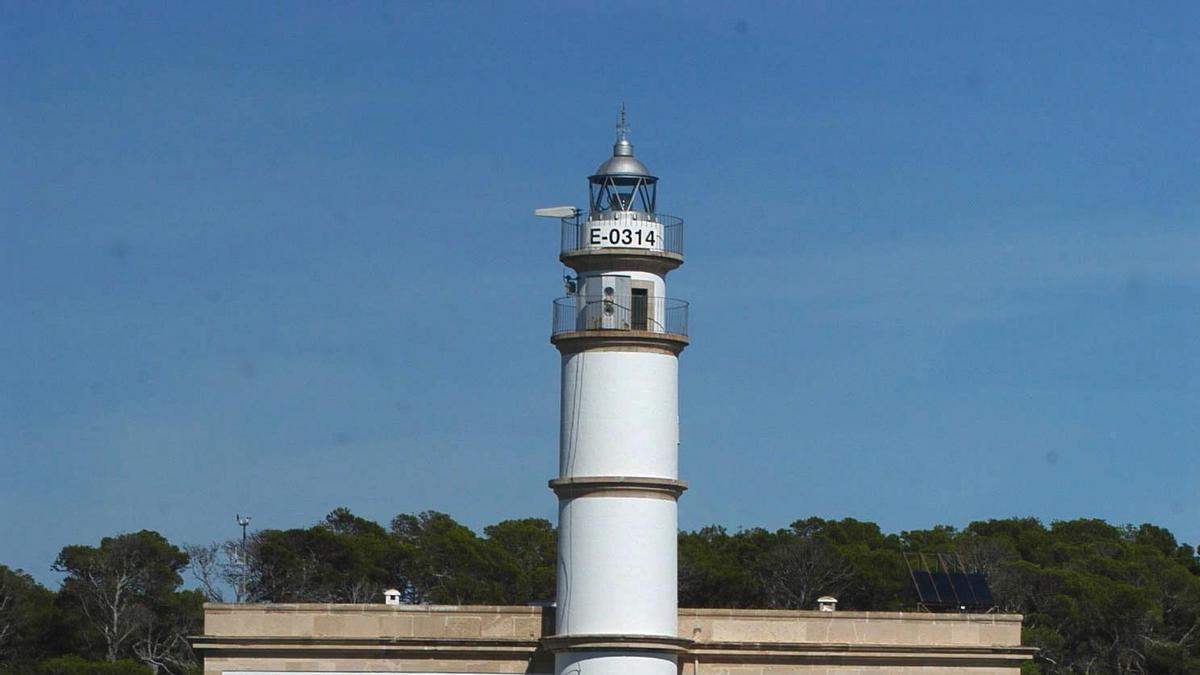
(631,317)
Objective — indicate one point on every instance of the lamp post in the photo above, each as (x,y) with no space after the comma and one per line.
(244,521)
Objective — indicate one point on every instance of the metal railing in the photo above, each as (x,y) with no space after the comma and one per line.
(654,232)
(620,312)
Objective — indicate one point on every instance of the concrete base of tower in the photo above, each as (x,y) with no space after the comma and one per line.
(615,663)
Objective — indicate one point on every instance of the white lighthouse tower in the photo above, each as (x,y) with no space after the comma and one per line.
(620,337)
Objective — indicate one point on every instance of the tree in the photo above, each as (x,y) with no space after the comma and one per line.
(342,559)
(451,564)
(118,584)
(709,572)
(342,521)
(798,570)
(216,566)
(1097,598)
(428,557)
(26,615)
(161,639)
(879,578)
(531,546)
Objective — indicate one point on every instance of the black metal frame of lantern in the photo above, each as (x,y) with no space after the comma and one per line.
(615,192)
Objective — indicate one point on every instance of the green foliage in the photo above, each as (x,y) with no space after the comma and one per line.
(27,616)
(531,546)
(343,559)
(121,601)
(1096,598)
(76,665)
(428,557)
(716,570)
(342,521)
(849,559)
(144,562)
(453,565)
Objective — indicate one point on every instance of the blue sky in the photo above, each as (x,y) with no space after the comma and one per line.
(942,258)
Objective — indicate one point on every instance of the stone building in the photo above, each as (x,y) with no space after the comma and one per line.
(481,640)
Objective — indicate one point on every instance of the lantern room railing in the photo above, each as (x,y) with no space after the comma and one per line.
(654,233)
(576,313)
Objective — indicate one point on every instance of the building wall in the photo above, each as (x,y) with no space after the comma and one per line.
(500,640)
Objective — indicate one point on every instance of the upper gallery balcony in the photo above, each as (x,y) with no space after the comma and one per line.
(629,234)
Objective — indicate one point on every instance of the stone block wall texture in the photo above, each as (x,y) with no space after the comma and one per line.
(417,621)
(860,628)
(503,640)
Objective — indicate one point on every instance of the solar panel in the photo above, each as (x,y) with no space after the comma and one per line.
(962,589)
(954,590)
(925,589)
(983,594)
(941,581)
(947,585)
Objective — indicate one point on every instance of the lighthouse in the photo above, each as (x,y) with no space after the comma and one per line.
(619,336)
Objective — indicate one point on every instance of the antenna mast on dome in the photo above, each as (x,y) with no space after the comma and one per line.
(622,125)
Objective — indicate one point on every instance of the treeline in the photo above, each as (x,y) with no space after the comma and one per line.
(1097,598)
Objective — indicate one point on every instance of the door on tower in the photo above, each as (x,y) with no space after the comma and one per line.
(639,308)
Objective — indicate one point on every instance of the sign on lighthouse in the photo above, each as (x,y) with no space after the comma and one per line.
(619,336)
